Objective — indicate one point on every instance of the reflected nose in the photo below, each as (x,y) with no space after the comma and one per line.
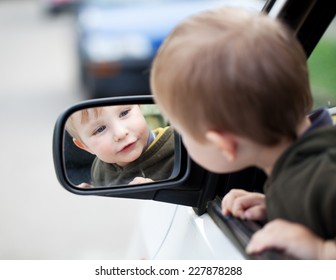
(119,133)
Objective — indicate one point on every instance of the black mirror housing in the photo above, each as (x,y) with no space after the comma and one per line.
(155,190)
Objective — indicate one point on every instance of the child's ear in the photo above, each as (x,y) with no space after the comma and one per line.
(80,145)
(225,142)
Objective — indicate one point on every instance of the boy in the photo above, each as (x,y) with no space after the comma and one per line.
(242,78)
(127,151)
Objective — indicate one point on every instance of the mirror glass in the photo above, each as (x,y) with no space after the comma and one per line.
(118,145)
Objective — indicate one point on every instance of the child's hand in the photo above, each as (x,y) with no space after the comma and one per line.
(244,205)
(293,239)
(140,180)
(84,186)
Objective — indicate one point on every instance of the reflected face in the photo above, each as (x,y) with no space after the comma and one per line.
(115,134)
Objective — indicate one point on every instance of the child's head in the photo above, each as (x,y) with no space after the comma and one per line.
(233,71)
(115,134)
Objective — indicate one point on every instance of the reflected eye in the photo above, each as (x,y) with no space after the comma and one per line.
(124,113)
(99,130)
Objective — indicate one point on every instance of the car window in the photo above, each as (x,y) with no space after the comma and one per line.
(322,69)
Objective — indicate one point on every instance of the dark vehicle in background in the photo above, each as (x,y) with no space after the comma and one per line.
(117,39)
(56,7)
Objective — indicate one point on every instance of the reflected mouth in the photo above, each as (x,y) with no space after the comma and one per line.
(127,147)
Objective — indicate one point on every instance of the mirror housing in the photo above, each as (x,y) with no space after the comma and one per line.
(187,188)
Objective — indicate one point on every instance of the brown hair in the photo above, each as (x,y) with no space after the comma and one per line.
(235,71)
(72,127)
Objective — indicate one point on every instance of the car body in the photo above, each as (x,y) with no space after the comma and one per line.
(116,40)
(179,218)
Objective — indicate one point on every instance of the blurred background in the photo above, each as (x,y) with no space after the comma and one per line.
(50,59)
(38,80)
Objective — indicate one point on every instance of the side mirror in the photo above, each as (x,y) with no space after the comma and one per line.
(115,145)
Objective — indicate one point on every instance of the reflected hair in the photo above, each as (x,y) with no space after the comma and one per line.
(232,70)
(72,127)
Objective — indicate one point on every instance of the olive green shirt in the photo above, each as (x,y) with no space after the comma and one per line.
(302,186)
(155,163)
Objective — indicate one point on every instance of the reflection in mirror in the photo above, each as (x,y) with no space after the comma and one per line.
(117,145)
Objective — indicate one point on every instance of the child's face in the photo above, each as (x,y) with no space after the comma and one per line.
(117,134)
(206,154)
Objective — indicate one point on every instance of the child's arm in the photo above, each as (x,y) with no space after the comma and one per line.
(293,239)
(244,205)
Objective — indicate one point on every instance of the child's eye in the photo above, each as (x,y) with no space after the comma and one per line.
(124,113)
(99,130)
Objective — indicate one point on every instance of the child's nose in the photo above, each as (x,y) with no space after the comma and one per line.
(119,134)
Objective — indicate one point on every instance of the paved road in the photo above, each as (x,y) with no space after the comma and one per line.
(38,219)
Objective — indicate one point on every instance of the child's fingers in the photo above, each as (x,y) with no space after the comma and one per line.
(229,200)
(256,213)
(269,237)
(244,205)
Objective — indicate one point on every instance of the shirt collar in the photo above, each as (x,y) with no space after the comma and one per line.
(320,117)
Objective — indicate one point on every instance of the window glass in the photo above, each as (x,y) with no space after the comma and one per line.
(322,69)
